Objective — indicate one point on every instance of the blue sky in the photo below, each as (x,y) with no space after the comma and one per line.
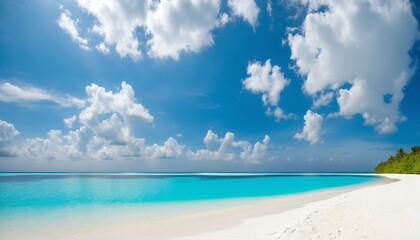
(193,70)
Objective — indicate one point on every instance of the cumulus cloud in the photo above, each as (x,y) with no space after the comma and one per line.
(270,82)
(181,25)
(106,131)
(55,146)
(223,20)
(70,26)
(166,28)
(171,148)
(103,48)
(70,121)
(246,9)
(123,103)
(312,129)
(228,149)
(323,100)
(163,28)
(13,93)
(117,22)
(123,109)
(253,154)
(360,50)
(7,133)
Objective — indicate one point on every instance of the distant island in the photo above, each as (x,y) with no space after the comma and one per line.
(401,162)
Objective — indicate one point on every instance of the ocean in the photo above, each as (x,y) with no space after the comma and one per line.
(52,190)
(69,202)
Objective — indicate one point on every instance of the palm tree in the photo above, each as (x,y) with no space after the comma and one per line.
(415,150)
(400,153)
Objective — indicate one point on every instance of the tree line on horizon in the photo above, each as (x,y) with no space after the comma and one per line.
(401,162)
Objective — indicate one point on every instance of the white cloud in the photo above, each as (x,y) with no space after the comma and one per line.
(103,48)
(228,149)
(363,44)
(323,100)
(171,148)
(14,93)
(7,133)
(74,145)
(168,27)
(70,121)
(85,144)
(212,137)
(123,109)
(70,26)
(181,26)
(162,28)
(255,154)
(279,114)
(106,131)
(123,103)
(247,9)
(54,135)
(312,129)
(269,8)
(117,21)
(270,81)
(222,153)
(113,130)
(223,20)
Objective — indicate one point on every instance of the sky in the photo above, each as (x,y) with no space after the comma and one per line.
(207,85)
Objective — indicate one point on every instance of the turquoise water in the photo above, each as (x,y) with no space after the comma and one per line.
(55,190)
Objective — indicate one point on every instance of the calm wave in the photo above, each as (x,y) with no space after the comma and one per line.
(41,190)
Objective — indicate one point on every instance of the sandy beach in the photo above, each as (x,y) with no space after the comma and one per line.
(389,211)
(384,209)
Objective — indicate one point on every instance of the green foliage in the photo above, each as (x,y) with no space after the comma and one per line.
(415,150)
(401,162)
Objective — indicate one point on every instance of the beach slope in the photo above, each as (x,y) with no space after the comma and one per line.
(389,211)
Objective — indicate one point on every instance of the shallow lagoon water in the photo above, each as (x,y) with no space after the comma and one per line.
(68,203)
(74,189)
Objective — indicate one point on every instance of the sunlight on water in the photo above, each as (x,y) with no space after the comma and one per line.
(55,190)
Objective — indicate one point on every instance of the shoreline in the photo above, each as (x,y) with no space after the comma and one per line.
(203,225)
(378,211)
(249,218)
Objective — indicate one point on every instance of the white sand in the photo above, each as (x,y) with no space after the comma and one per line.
(390,211)
(378,210)
(201,217)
